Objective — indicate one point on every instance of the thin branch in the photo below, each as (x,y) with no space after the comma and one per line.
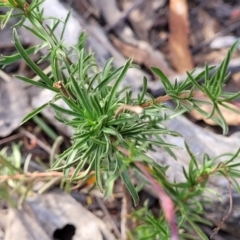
(35,175)
(167,98)
(215,231)
(11,138)
(109,217)
(155,101)
(39,142)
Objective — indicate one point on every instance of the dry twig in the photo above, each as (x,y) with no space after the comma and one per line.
(107,214)
(216,230)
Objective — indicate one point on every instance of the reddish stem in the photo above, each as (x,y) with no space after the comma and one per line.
(166,202)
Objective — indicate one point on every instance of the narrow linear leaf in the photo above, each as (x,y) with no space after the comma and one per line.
(125,177)
(167,84)
(34,113)
(97,160)
(108,79)
(8,60)
(38,84)
(119,79)
(73,106)
(64,110)
(29,61)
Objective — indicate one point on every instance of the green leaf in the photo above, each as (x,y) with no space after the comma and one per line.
(44,126)
(73,106)
(144,90)
(113,132)
(198,230)
(118,80)
(195,82)
(65,24)
(38,84)
(33,113)
(166,83)
(107,68)
(125,177)
(5,162)
(35,4)
(64,110)
(80,95)
(108,79)
(29,61)
(55,63)
(81,142)
(8,60)
(6,17)
(61,157)
(97,160)
(71,158)
(35,32)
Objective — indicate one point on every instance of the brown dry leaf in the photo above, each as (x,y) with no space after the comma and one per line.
(179,39)
(143,54)
(232,118)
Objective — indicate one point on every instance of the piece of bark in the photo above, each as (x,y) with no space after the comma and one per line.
(22,225)
(56,209)
(179,39)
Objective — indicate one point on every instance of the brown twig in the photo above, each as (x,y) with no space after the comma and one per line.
(59,85)
(165,98)
(166,202)
(155,101)
(39,142)
(107,214)
(31,175)
(215,231)
(34,175)
(11,138)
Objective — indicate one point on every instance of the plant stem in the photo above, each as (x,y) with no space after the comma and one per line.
(35,175)
(167,98)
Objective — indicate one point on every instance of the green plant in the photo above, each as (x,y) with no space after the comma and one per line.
(10,165)
(113,130)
